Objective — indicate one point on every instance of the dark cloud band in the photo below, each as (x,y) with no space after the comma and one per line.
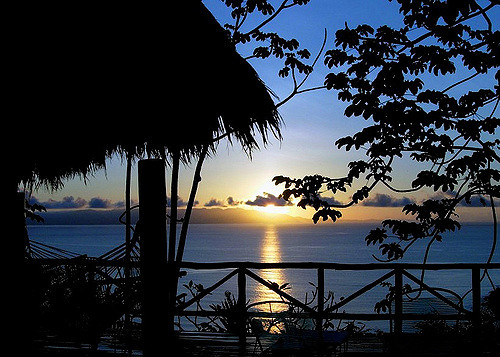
(266,200)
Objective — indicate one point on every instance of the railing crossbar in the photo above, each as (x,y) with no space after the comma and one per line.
(339,266)
(208,290)
(435,293)
(330,315)
(360,291)
(279,292)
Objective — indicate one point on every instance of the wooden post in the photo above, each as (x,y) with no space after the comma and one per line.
(157,323)
(242,299)
(398,302)
(321,299)
(16,286)
(18,228)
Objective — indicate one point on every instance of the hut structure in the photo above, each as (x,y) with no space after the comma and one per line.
(87,82)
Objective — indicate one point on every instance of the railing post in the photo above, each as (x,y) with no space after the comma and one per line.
(476,299)
(321,299)
(398,302)
(242,299)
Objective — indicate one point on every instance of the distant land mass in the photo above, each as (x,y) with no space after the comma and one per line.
(198,216)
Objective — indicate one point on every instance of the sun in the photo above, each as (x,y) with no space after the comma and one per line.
(266,199)
(272,209)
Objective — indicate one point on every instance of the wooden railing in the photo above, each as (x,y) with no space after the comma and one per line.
(244,270)
(397,271)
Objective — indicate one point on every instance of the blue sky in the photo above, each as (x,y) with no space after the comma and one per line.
(312,123)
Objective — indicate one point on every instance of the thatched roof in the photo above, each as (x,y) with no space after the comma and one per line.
(90,82)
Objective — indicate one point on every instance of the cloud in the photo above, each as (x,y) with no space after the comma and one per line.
(384,200)
(475,201)
(67,202)
(180,202)
(268,199)
(120,204)
(214,203)
(232,202)
(331,201)
(98,202)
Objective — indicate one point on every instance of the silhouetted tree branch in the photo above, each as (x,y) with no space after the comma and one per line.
(273,45)
(392,79)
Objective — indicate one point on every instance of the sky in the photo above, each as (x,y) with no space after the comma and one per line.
(312,123)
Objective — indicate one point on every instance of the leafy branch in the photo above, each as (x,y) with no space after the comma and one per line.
(271,44)
(392,77)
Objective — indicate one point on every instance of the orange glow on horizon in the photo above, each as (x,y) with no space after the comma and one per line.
(273,209)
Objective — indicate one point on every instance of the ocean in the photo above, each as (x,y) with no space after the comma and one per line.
(337,243)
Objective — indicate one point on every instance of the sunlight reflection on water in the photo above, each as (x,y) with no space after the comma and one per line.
(270,252)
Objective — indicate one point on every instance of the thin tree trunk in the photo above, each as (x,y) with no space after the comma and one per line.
(128,247)
(128,227)
(185,222)
(172,271)
(189,208)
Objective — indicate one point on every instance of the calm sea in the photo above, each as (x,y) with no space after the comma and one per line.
(339,243)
